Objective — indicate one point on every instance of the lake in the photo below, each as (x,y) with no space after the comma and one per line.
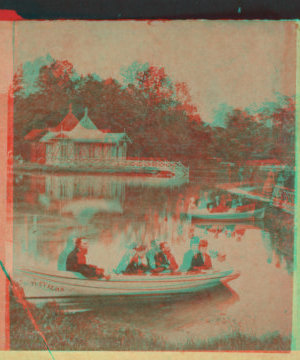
(112,211)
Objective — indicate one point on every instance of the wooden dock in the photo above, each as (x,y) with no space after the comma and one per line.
(282,198)
(150,167)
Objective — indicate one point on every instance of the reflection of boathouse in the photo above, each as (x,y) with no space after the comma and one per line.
(74,187)
(76,142)
(64,188)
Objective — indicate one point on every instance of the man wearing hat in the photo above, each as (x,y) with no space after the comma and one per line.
(203,251)
(192,257)
(126,258)
(165,258)
(155,249)
(139,263)
(76,262)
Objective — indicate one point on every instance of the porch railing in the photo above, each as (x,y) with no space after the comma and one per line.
(283,197)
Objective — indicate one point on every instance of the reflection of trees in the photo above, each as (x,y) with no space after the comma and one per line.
(280,226)
(147,210)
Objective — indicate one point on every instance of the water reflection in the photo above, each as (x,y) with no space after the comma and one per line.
(166,316)
(113,212)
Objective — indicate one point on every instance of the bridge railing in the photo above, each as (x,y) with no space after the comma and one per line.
(176,168)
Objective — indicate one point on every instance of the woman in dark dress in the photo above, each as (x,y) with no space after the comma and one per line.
(139,263)
(197,262)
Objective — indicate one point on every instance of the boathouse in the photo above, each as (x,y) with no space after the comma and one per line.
(76,142)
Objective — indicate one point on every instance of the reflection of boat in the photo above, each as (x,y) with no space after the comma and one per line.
(41,285)
(203,214)
(92,205)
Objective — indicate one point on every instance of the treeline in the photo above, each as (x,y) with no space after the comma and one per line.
(155,112)
(268,133)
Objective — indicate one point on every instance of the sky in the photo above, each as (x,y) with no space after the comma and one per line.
(224,63)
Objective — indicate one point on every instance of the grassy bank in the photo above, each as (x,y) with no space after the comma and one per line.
(87,331)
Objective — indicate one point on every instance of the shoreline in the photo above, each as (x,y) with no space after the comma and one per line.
(107,335)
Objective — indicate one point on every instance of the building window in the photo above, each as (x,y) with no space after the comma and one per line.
(92,151)
(49,149)
(113,151)
(105,152)
(64,151)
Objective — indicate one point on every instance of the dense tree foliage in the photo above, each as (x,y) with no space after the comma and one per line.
(154,111)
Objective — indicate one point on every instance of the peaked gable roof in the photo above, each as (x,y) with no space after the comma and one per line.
(48,136)
(86,122)
(80,134)
(68,123)
(35,134)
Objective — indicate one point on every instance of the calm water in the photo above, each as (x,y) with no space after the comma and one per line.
(112,211)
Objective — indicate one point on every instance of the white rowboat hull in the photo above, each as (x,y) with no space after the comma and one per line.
(66,284)
(257,214)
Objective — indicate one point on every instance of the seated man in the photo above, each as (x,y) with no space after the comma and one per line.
(206,258)
(62,259)
(164,260)
(192,258)
(155,248)
(76,262)
(234,204)
(126,258)
(138,263)
(223,204)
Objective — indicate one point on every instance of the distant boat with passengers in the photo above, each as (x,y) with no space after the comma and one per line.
(230,215)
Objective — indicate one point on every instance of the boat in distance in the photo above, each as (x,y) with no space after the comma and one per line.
(60,284)
(203,214)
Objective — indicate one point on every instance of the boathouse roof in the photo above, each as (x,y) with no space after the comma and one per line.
(68,123)
(81,136)
(83,131)
(86,122)
(35,134)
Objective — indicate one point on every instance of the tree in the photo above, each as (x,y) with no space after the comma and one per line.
(129,74)
(156,113)
(156,87)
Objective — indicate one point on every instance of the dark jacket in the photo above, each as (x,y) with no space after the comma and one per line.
(190,260)
(197,261)
(72,261)
(161,260)
(135,268)
(72,264)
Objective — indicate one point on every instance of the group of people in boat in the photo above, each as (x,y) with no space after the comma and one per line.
(140,260)
(218,203)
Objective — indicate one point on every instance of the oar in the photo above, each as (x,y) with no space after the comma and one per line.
(23,302)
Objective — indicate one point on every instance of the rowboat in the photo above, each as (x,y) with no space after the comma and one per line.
(62,284)
(231,215)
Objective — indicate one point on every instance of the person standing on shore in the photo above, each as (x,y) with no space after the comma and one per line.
(269,185)
(241,174)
